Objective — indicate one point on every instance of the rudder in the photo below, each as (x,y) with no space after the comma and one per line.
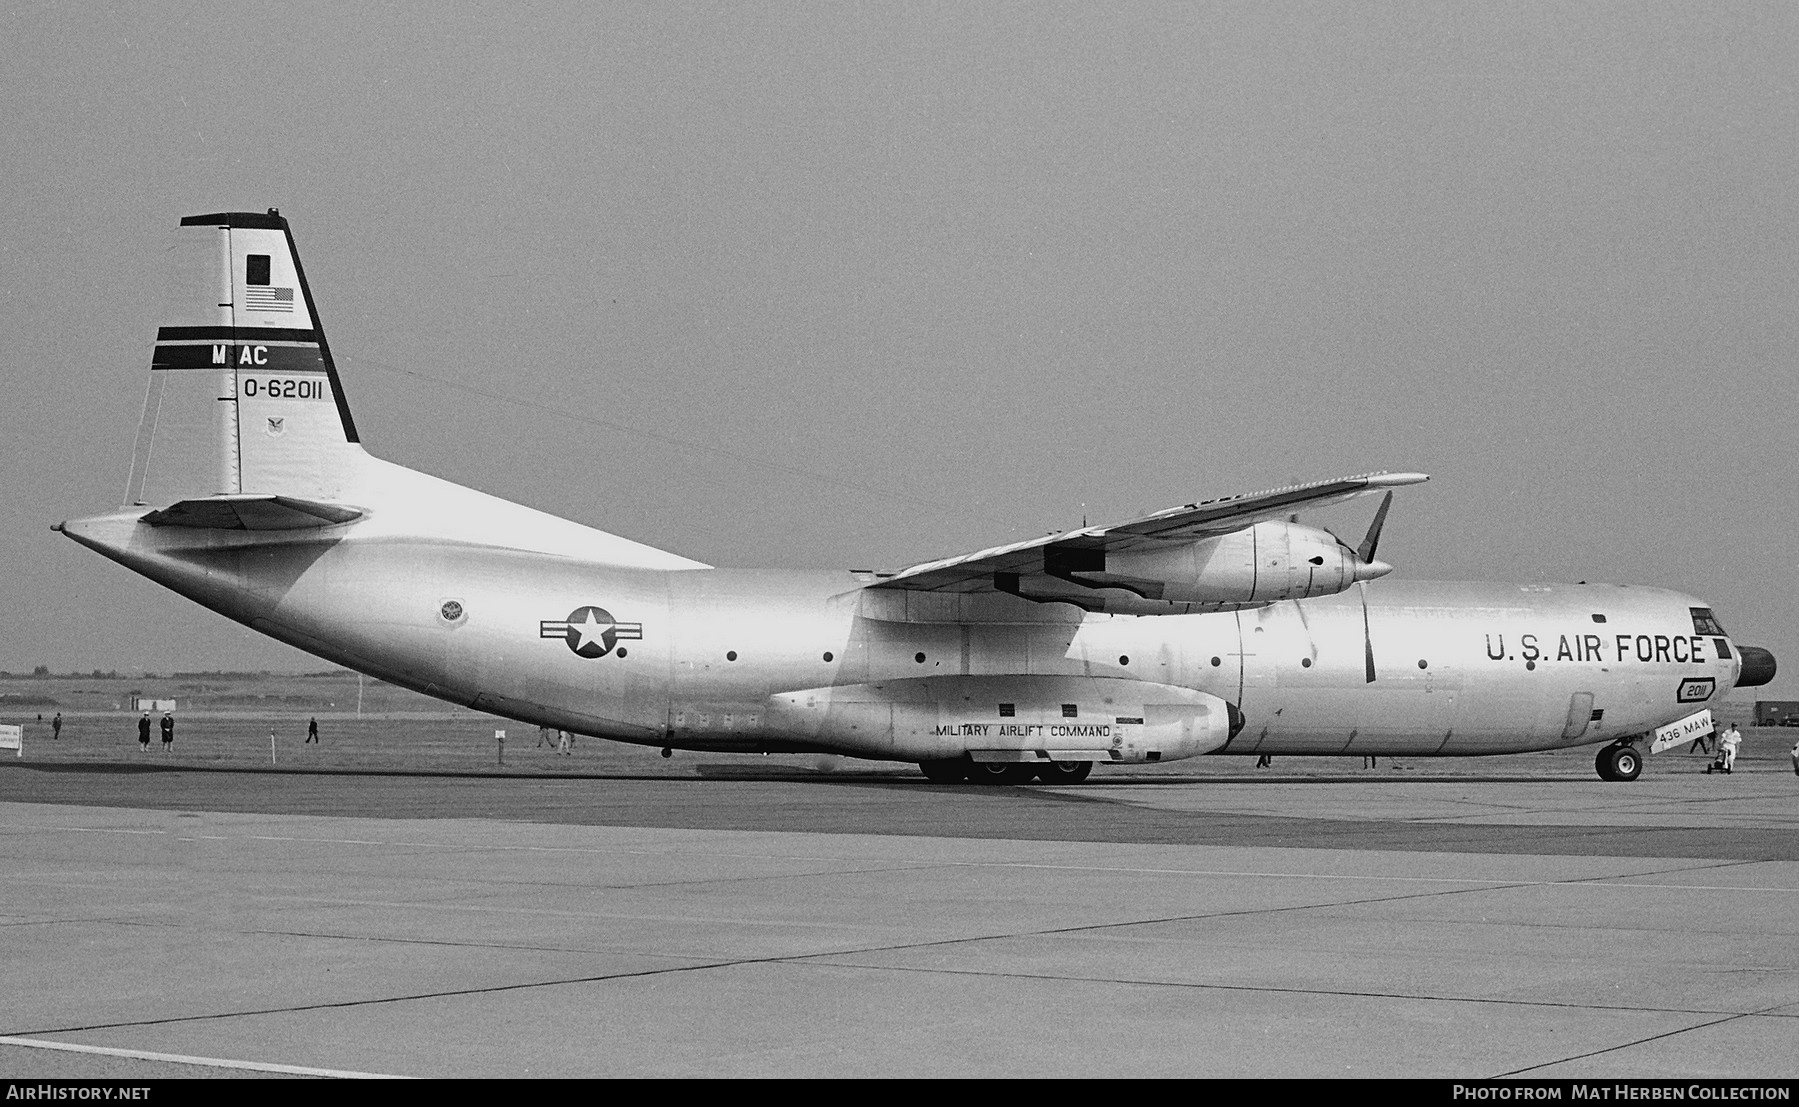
(244,396)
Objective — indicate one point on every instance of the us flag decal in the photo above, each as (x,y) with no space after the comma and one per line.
(268,299)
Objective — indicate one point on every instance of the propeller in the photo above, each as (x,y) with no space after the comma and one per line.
(1365,554)
(1366,569)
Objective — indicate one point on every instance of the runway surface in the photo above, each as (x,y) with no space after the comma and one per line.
(1510,919)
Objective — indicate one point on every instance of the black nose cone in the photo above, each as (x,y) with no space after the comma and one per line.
(1758,667)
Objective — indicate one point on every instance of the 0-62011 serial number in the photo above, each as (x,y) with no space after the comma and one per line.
(283,388)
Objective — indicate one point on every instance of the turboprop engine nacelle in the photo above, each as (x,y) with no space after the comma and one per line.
(1259,564)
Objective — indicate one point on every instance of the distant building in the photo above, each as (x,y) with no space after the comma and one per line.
(145,703)
(1777,712)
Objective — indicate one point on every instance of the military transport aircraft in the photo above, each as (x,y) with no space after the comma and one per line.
(1220,627)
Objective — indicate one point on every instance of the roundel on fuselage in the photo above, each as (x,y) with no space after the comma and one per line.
(590,631)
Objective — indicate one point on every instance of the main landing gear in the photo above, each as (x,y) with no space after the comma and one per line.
(1619,762)
(957,770)
(1064,772)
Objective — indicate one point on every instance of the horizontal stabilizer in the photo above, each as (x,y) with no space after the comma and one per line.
(252,513)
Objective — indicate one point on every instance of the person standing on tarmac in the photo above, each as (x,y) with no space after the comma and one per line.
(168,732)
(1703,743)
(143,733)
(56,726)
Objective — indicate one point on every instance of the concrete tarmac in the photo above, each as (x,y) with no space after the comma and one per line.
(167,921)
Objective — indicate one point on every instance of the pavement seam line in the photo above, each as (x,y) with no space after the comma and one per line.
(207,1062)
(1768,1012)
(1346,993)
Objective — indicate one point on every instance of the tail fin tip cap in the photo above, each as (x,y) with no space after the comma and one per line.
(266,221)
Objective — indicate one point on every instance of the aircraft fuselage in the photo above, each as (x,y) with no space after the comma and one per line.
(749,660)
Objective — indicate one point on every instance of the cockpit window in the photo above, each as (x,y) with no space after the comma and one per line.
(1704,622)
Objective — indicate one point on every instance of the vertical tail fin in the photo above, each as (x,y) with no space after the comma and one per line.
(244,396)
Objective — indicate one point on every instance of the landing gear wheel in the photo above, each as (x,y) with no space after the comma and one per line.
(953,771)
(1064,772)
(1001,772)
(1619,763)
(1627,763)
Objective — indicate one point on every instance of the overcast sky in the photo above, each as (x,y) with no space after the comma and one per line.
(859,285)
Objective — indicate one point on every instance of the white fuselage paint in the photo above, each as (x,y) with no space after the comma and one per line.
(774,660)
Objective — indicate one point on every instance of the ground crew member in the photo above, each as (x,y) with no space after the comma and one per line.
(1732,738)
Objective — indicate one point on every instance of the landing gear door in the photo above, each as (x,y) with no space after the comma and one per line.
(1690,729)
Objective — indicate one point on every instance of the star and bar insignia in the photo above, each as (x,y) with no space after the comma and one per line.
(590,631)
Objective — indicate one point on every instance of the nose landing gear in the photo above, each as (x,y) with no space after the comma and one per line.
(1619,762)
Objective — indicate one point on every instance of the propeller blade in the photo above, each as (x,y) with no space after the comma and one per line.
(1311,642)
(1372,541)
(1367,635)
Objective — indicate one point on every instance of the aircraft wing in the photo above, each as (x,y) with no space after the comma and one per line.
(1056,555)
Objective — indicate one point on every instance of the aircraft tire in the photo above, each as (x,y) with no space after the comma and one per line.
(1619,763)
(1064,772)
(1602,763)
(951,771)
(1001,772)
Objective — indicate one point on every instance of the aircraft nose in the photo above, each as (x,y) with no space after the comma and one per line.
(1369,570)
(1758,667)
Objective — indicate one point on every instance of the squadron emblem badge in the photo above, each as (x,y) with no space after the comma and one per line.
(590,631)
